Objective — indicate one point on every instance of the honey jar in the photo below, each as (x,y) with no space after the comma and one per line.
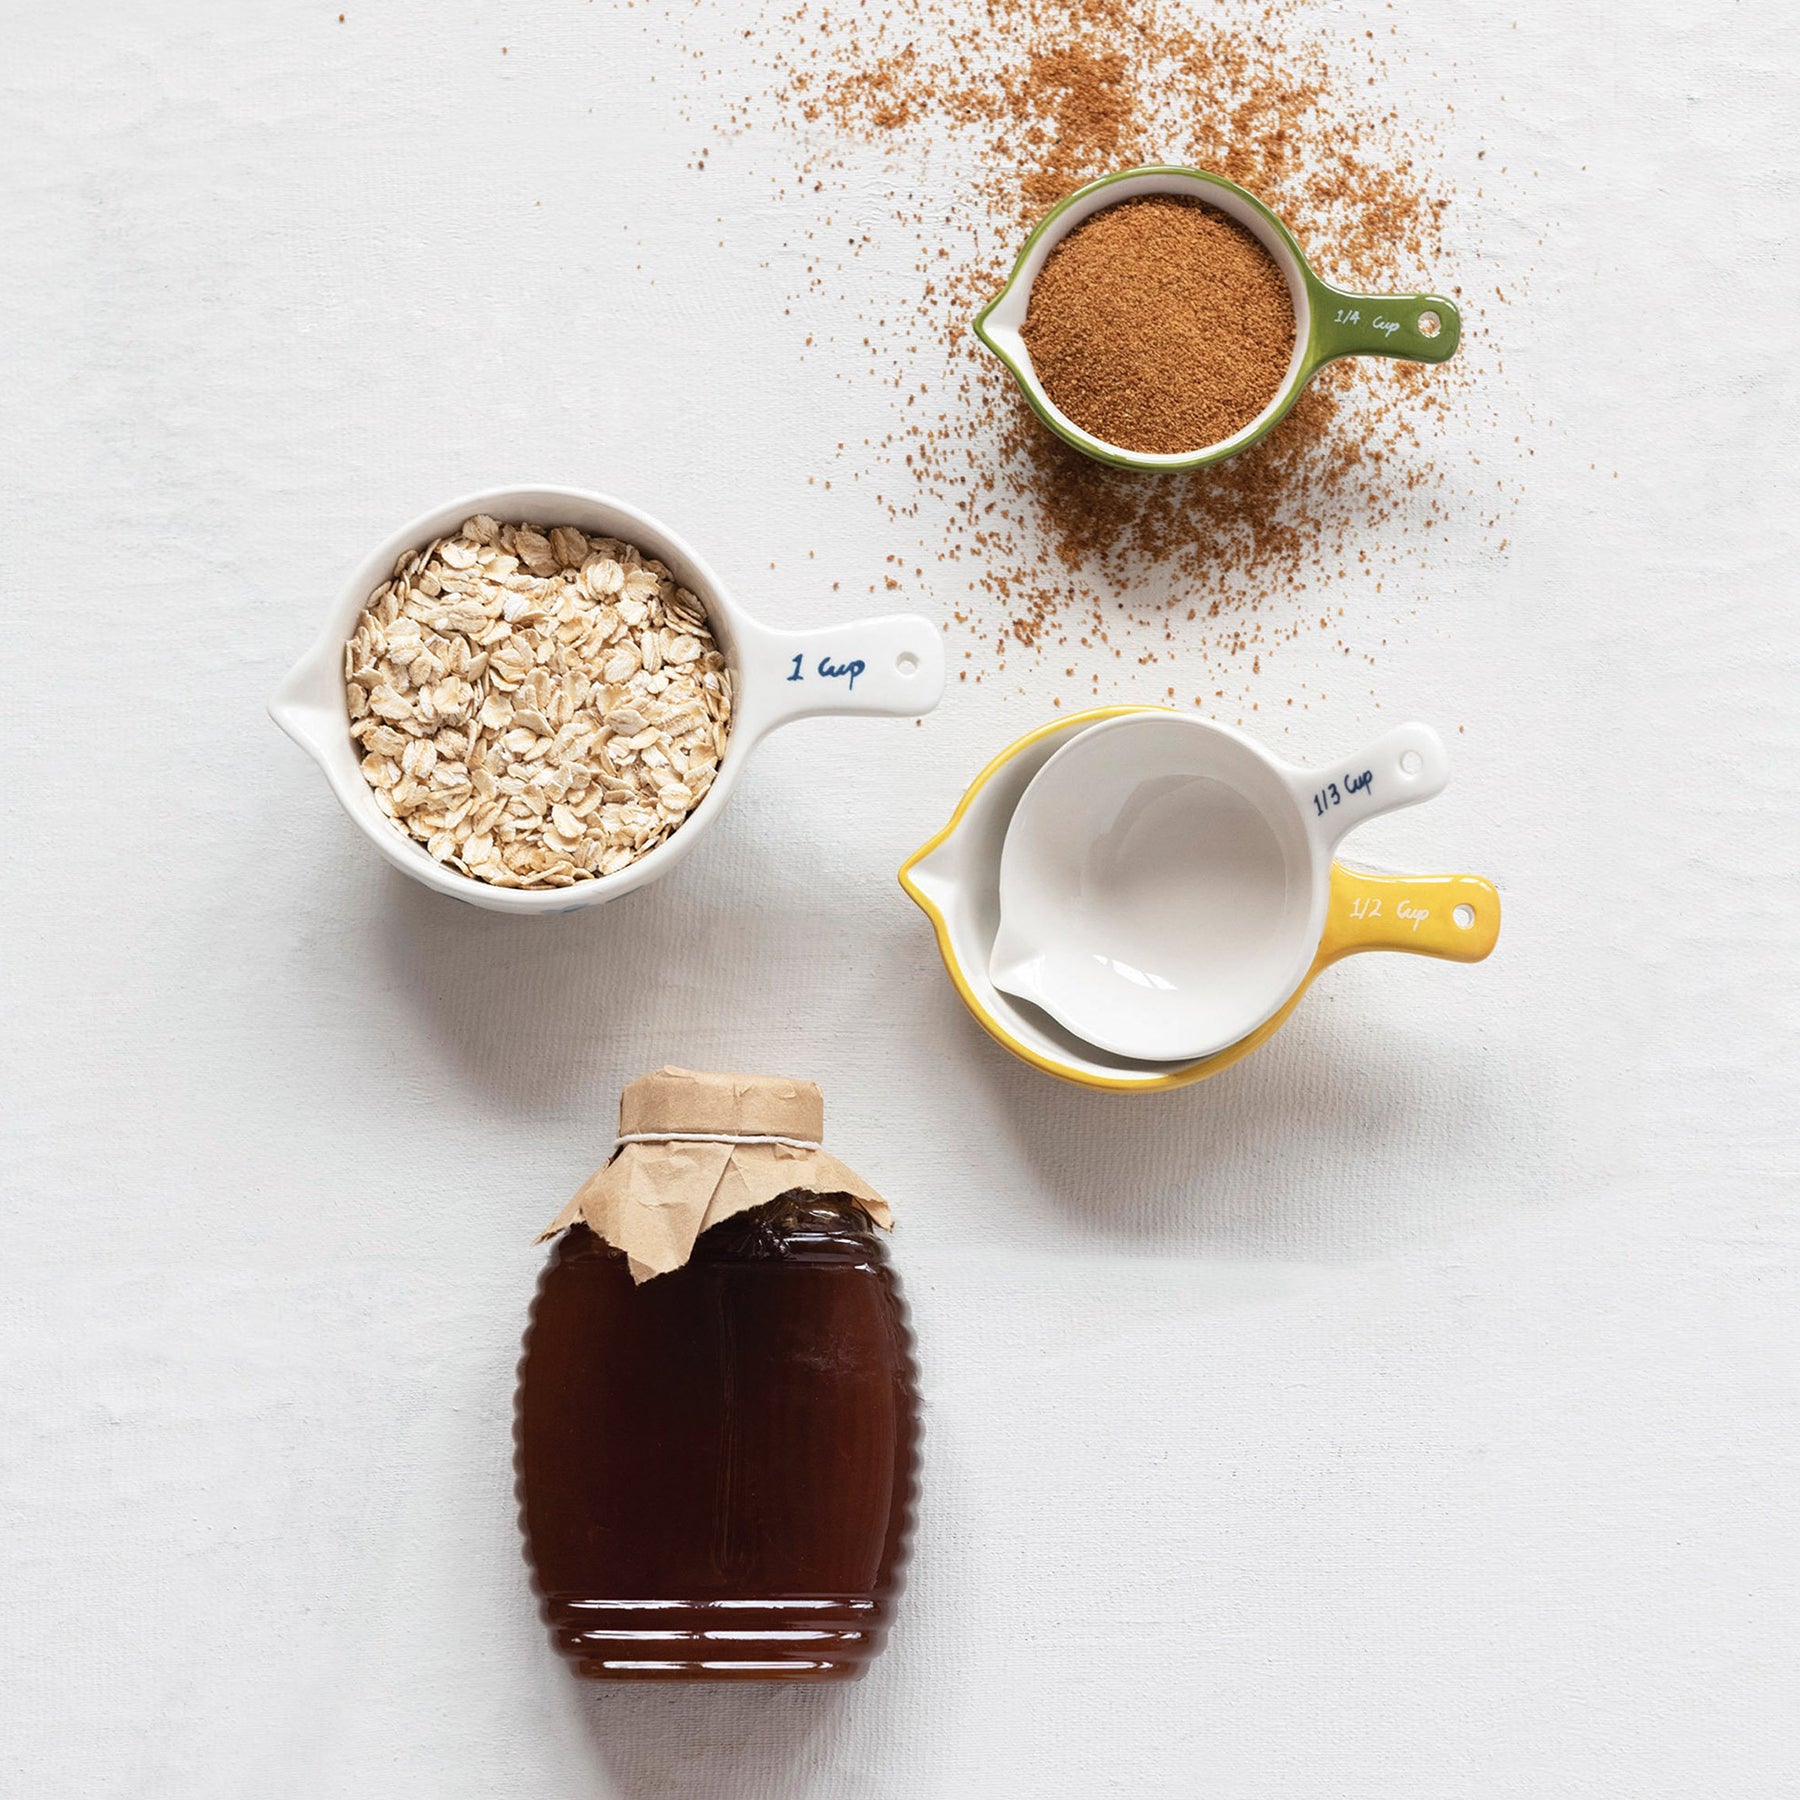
(717,1415)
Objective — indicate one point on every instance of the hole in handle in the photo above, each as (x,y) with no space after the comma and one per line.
(907,662)
(1464,916)
(1411,762)
(1430,324)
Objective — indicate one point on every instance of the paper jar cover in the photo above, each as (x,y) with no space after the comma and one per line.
(652,1200)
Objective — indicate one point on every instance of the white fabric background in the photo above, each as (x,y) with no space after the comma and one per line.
(1408,1415)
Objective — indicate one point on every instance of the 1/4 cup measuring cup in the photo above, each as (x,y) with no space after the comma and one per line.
(1164,881)
(891,666)
(1329,322)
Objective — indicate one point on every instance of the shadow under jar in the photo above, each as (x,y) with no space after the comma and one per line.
(716,1465)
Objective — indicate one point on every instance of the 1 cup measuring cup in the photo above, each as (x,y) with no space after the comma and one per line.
(1165,881)
(1329,322)
(891,666)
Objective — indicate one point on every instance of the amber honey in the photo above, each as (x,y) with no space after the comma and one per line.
(716,1466)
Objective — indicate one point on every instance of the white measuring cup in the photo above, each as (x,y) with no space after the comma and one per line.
(890,667)
(1165,880)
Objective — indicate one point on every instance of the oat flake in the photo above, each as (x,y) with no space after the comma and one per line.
(524,701)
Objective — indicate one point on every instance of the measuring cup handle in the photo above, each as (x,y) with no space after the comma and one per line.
(892,667)
(1417,327)
(1400,768)
(1456,917)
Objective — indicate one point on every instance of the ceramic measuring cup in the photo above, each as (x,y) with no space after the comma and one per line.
(891,666)
(1164,881)
(1329,322)
(954,879)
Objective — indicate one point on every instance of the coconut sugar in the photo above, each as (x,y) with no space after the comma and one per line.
(1192,580)
(1160,325)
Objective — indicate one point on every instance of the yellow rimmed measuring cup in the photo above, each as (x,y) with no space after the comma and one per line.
(954,879)
(1329,322)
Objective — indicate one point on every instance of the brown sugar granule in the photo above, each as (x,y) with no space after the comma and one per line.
(1160,325)
(980,115)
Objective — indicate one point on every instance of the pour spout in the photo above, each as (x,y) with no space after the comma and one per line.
(1016,967)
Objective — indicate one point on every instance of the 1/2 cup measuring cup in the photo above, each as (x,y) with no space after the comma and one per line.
(891,666)
(1328,321)
(1164,881)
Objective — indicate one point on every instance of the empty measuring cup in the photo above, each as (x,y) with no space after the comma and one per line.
(1329,322)
(1164,881)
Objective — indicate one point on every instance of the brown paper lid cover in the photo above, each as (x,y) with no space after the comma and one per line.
(696,1148)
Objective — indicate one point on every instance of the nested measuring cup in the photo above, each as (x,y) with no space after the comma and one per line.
(1329,322)
(1165,882)
(954,879)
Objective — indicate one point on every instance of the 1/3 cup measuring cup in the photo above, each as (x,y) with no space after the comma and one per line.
(1164,881)
(1328,321)
(891,666)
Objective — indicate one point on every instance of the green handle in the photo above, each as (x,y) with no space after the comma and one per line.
(1418,327)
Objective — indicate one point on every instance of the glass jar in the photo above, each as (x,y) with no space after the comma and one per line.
(716,1463)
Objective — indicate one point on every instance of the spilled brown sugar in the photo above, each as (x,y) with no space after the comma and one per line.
(941,131)
(1160,325)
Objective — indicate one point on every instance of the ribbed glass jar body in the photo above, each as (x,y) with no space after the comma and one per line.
(716,1466)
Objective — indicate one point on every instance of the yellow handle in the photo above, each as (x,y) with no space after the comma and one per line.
(1452,916)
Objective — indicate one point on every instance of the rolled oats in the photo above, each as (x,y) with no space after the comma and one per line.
(535,708)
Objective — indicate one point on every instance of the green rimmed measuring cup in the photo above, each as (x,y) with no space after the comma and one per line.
(1328,322)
